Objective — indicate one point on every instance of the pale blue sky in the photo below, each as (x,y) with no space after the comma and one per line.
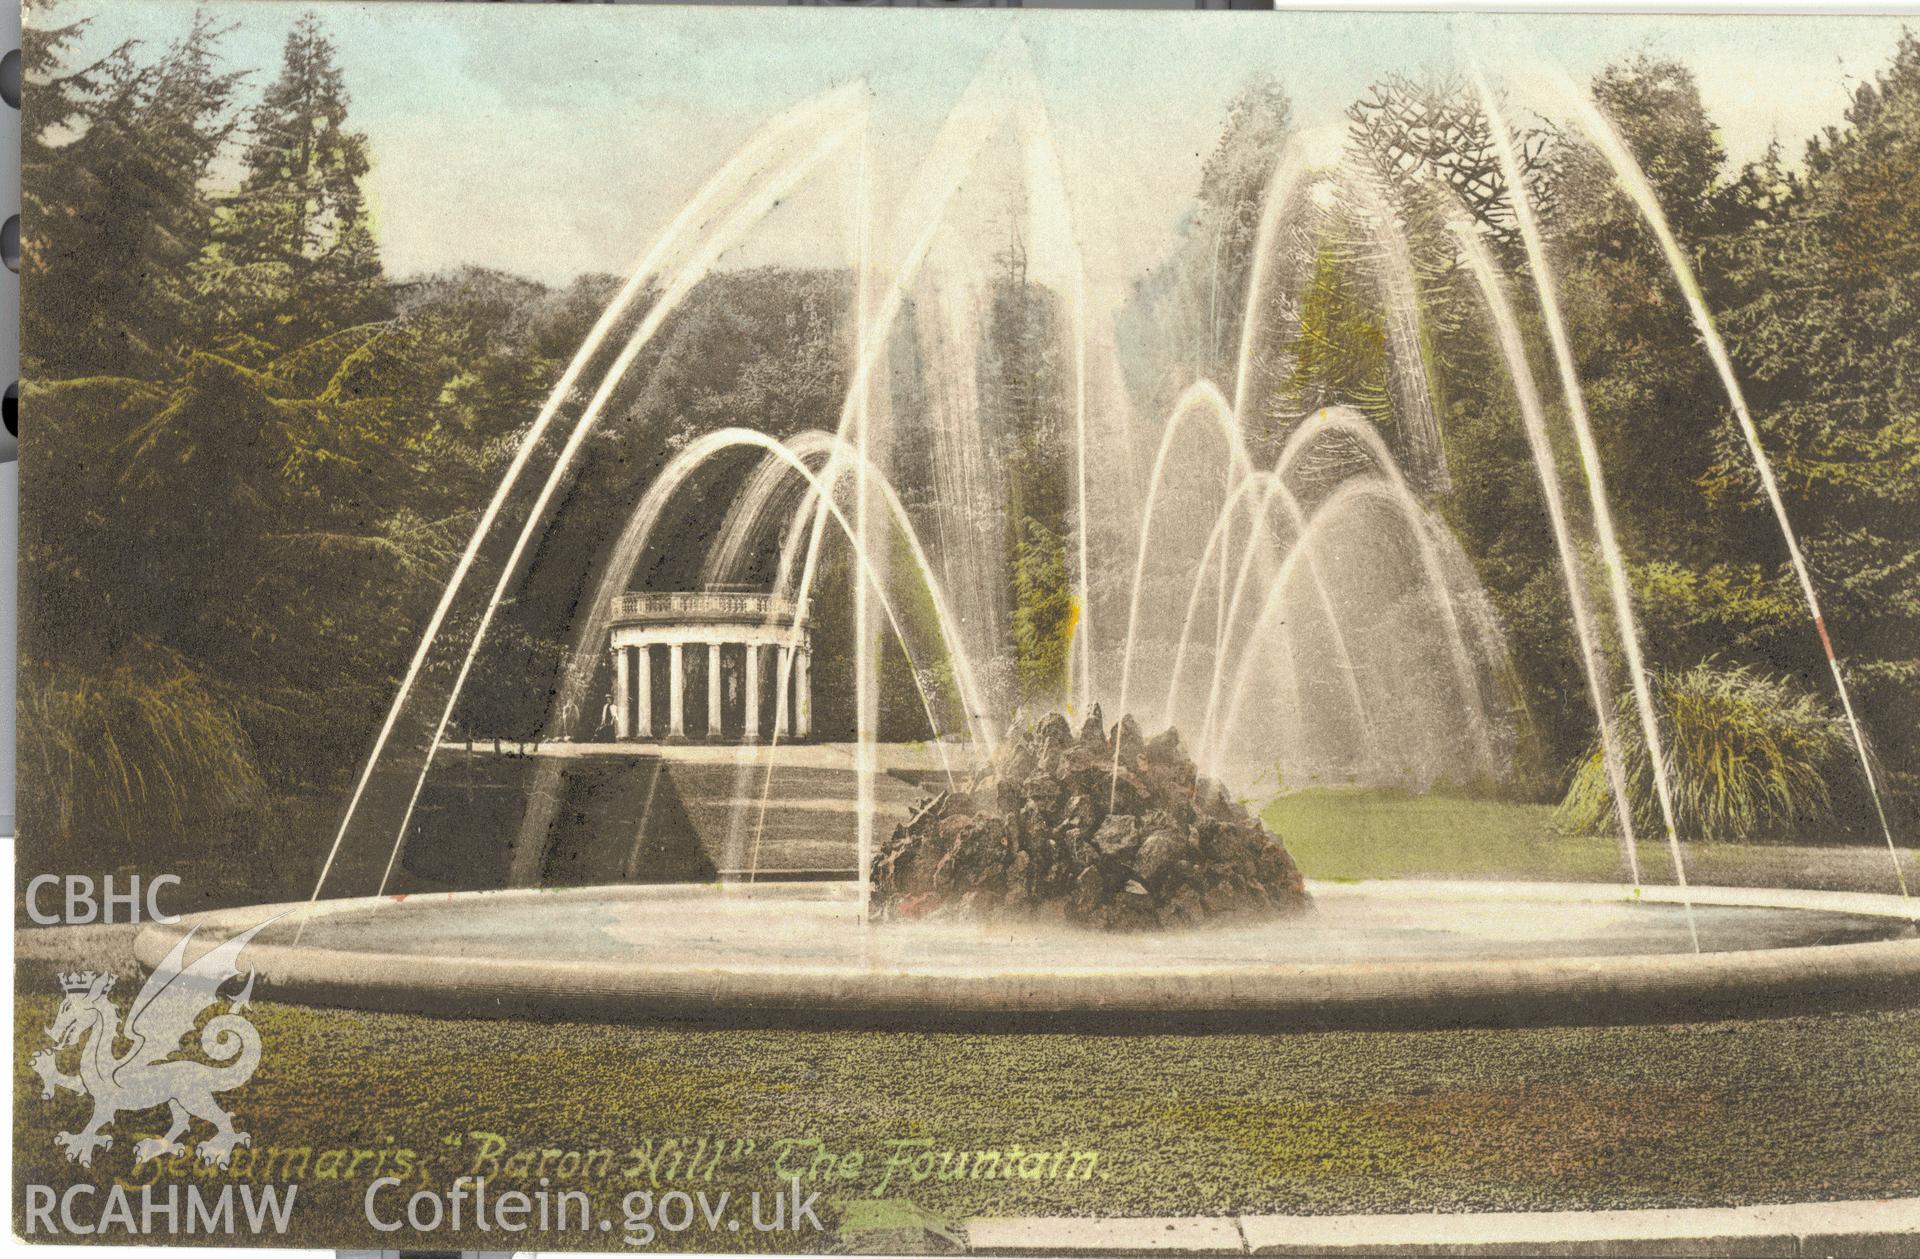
(551,139)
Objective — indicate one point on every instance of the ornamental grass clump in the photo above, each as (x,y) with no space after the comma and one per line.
(1748,756)
(129,752)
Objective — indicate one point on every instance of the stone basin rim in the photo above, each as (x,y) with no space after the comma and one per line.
(1260,995)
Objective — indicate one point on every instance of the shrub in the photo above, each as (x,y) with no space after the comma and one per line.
(131,752)
(1748,756)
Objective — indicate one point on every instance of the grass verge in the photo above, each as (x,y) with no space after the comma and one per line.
(1523,1119)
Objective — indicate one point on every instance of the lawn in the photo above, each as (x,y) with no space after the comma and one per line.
(1354,834)
(1539,1118)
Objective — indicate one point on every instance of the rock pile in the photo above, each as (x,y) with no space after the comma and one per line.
(1050,830)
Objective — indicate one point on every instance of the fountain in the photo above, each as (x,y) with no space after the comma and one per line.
(1104,828)
(1257,566)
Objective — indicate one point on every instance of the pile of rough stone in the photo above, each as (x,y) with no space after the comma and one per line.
(1050,829)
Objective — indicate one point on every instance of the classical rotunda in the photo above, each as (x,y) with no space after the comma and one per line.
(719,665)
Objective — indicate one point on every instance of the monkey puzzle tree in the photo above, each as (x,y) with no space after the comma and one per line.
(1426,138)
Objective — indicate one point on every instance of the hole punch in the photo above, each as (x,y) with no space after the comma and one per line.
(10,243)
(10,78)
(10,409)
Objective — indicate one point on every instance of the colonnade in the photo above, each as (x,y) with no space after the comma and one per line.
(641,654)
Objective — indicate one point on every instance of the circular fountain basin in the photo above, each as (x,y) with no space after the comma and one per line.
(1385,954)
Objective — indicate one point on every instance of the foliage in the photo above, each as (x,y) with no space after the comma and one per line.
(1340,351)
(1027,388)
(1812,277)
(1417,134)
(1655,404)
(269,451)
(234,530)
(143,746)
(294,258)
(1044,613)
(1748,756)
(113,290)
(1825,321)
(1183,323)
(1233,183)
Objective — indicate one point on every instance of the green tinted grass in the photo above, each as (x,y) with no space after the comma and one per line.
(1353,834)
(1347,834)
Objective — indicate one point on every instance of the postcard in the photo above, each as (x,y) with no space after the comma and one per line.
(796,630)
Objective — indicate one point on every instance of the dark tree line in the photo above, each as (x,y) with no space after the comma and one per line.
(256,455)
(252,454)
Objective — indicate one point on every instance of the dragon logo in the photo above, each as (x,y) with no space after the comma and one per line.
(148,1075)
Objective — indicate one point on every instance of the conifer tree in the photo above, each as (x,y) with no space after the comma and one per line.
(109,290)
(297,259)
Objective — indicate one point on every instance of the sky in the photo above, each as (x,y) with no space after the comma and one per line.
(551,140)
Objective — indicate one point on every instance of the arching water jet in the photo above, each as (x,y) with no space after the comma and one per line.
(1634,182)
(1352,492)
(727,183)
(1618,586)
(1533,421)
(766,195)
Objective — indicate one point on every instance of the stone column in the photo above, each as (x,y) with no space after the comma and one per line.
(783,708)
(713,691)
(643,689)
(622,723)
(750,732)
(803,693)
(676,692)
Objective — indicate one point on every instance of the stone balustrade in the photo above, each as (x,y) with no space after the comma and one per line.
(699,606)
